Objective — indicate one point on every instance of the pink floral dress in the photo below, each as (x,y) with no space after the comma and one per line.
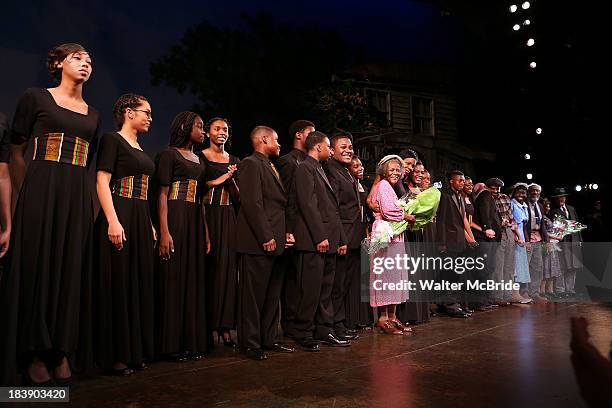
(385,197)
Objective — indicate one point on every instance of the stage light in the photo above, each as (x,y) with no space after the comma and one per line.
(533,64)
(539,131)
(525,5)
(595,186)
(529,176)
(513,8)
(516,27)
(526,22)
(578,188)
(527,156)
(530,42)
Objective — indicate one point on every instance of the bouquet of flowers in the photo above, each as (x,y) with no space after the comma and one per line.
(563,227)
(424,207)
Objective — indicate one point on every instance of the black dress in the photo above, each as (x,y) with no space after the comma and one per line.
(221,262)
(416,310)
(357,304)
(123,280)
(181,280)
(45,293)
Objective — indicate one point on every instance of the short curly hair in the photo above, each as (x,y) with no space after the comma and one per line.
(59,53)
(124,102)
(381,169)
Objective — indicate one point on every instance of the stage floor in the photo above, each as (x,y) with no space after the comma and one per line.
(515,356)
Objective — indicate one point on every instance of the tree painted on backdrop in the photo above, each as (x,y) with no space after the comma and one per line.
(267,72)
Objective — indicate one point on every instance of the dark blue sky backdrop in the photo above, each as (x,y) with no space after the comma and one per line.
(124,37)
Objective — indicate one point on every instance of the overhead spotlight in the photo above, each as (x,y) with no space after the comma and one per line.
(513,8)
(516,27)
(530,42)
(539,131)
(578,188)
(533,64)
(526,22)
(595,186)
(527,156)
(529,176)
(525,5)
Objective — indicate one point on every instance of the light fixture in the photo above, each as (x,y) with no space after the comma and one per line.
(527,22)
(516,27)
(530,42)
(539,131)
(513,8)
(527,156)
(529,176)
(533,64)
(595,186)
(578,188)
(525,5)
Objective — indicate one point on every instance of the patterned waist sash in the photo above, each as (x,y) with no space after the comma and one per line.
(132,187)
(184,190)
(60,148)
(218,196)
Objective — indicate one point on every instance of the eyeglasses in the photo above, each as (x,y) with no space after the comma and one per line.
(146,112)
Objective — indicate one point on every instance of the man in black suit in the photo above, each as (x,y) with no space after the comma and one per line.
(261,239)
(571,254)
(488,235)
(347,194)
(535,238)
(5,186)
(451,223)
(319,236)
(286,165)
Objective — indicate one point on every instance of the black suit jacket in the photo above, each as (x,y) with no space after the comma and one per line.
(486,216)
(449,221)
(286,166)
(318,215)
(262,211)
(345,187)
(543,232)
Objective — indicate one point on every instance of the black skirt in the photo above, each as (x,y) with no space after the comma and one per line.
(222,267)
(45,290)
(181,283)
(123,282)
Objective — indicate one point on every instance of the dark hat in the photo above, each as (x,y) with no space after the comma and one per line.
(559,192)
(494,182)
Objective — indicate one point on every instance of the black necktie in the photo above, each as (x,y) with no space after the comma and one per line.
(536,210)
(565,212)
(354,182)
(320,169)
(459,202)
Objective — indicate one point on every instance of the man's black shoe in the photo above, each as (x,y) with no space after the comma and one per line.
(457,313)
(347,336)
(332,340)
(309,344)
(280,348)
(256,354)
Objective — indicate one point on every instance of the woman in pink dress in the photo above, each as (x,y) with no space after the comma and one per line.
(386,284)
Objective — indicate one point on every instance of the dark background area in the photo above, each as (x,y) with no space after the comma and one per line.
(252,60)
